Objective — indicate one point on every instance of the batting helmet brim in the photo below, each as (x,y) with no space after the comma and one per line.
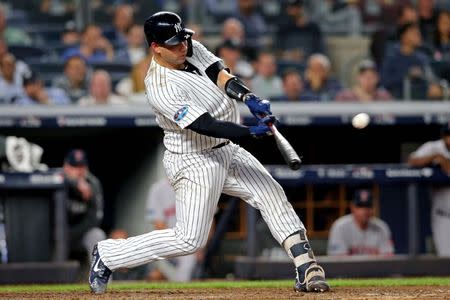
(180,37)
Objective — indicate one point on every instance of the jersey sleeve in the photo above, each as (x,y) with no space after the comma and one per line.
(179,107)
(386,245)
(425,150)
(201,57)
(336,241)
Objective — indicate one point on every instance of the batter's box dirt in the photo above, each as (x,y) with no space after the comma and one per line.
(359,293)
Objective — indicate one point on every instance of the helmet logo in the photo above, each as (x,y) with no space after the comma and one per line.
(177,27)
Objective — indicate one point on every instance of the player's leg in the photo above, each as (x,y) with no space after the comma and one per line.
(440,223)
(249,180)
(91,238)
(198,182)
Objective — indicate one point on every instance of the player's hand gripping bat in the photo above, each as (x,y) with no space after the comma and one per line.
(287,151)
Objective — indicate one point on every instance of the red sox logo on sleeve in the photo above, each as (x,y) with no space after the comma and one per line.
(179,115)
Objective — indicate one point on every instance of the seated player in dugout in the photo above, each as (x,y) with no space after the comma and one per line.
(84,204)
(194,99)
(360,233)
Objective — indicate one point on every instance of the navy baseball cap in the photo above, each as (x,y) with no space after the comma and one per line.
(30,77)
(445,130)
(294,2)
(76,158)
(362,198)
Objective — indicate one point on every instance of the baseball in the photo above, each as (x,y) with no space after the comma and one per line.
(361,120)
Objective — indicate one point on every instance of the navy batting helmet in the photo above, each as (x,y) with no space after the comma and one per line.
(166,28)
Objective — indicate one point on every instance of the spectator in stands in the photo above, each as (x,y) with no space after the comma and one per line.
(57,8)
(266,82)
(232,29)
(94,46)
(35,93)
(292,86)
(254,24)
(297,37)
(134,50)
(100,91)
(405,61)
(441,41)
(230,52)
(198,32)
(11,87)
(137,273)
(427,19)
(84,203)
(319,85)
(437,153)
(161,215)
(12,35)
(366,89)
(75,79)
(133,87)
(70,35)
(339,16)
(20,68)
(123,20)
(360,233)
(385,38)
(382,13)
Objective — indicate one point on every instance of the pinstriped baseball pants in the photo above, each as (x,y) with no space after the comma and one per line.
(199,179)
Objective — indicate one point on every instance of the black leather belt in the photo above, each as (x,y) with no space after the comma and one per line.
(442,213)
(221,145)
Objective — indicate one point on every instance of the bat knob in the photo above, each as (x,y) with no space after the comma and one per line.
(295,164)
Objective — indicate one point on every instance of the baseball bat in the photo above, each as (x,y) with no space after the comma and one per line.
(287,151)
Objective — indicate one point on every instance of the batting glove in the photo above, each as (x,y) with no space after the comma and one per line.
(257,106)
(263,127)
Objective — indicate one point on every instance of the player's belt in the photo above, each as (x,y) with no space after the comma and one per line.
(221,145)
(442,213)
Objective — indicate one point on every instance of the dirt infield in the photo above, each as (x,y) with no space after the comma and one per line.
(360,293)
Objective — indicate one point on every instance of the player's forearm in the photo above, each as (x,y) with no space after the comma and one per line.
(209,126)
(222,78)
(423,161)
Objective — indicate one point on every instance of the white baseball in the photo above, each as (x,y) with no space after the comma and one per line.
(361,120)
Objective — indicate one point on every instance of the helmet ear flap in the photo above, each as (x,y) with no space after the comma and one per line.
(190,51)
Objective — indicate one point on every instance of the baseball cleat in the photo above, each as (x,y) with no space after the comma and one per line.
(99,273)
(314,280)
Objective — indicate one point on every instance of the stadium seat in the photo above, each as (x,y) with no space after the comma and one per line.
(47,70)
(27,52)
(441,69)
(283,65)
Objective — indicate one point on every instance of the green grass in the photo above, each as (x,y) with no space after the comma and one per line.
(422,281)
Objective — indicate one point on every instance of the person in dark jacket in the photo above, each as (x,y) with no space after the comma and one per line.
(84,204)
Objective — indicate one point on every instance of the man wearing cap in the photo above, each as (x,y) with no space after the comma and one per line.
(366,89)
(297,37)
(35,93)
(437,153)
(85,203)
(360,233)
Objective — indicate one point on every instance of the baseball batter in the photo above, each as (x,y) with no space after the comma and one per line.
(437,153)
(194,99)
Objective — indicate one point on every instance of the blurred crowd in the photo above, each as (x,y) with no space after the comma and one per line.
(279,48)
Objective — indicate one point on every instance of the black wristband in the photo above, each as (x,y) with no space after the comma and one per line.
(236,89)
(213,71)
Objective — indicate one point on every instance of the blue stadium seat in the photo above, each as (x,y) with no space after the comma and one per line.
(27,52)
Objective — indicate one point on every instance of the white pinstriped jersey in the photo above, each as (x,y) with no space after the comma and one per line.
(178,98)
